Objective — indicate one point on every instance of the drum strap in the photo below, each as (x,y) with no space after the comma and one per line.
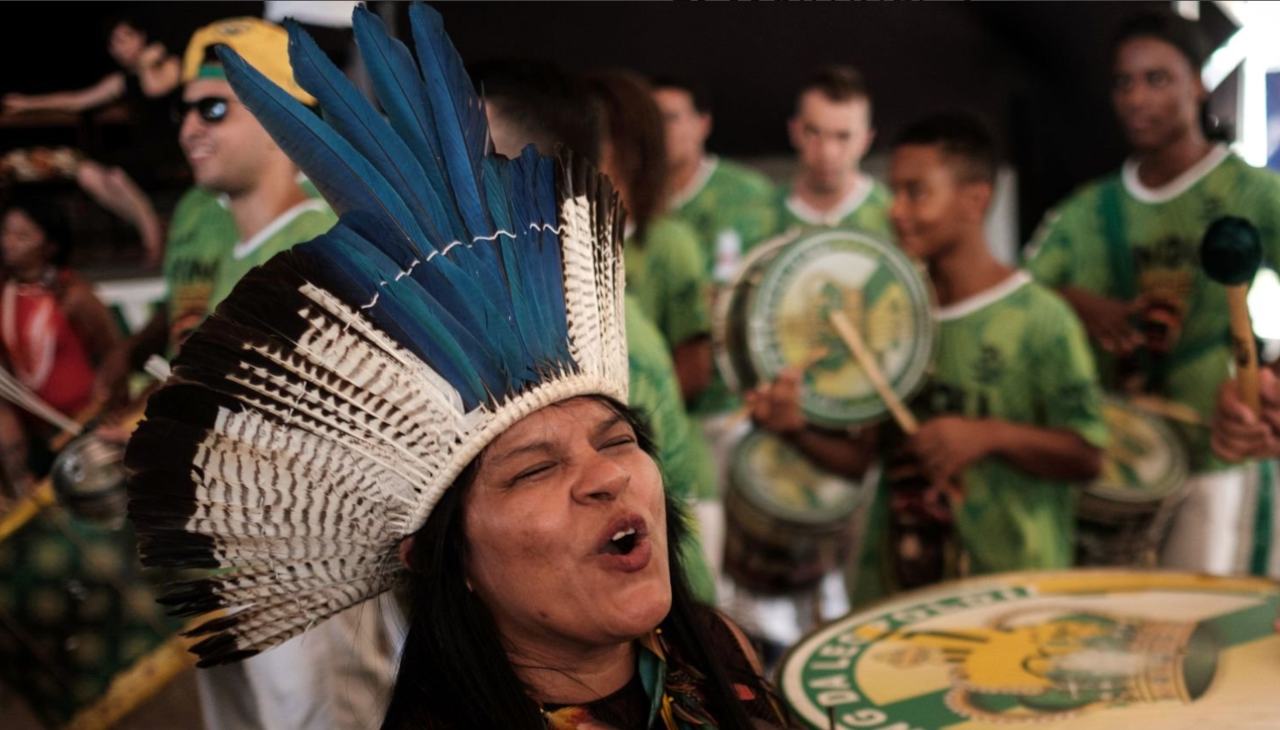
(1111,212)
(1125,285)
(1263,519)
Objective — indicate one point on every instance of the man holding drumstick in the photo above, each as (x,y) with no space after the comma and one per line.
(1013,410)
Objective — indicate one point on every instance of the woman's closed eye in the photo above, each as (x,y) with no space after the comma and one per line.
(532,472)
(624,440)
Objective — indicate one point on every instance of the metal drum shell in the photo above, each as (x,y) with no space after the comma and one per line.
(773,550)
(1117,525)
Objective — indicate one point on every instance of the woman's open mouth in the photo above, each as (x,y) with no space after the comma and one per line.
(625,545)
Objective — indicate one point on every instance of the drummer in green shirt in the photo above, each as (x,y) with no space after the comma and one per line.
(730,208)
(1012,413)
(1125,252)
(831,131)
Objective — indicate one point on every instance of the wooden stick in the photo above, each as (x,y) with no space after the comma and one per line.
(1242,347)
(844,327)
(1168,409)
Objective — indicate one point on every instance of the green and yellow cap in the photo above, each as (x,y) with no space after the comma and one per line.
(263,44)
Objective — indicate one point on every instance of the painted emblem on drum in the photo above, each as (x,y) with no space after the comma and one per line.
(780,480)
(880,291)
(1077,650)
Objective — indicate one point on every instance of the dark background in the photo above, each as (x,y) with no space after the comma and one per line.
(1036,72)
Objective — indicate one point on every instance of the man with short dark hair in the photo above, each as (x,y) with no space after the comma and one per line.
(831,131)
(725,203)
(248,206)
(1124,251)
(730,207)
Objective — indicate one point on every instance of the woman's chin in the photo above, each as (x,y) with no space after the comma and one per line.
(638,611)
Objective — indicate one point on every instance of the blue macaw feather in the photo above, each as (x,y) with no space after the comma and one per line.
(347,111)
(345,179)
(540,178)
(539,251)
(451,252)
(355,270)
(481,311)
(398,84)
(458,113)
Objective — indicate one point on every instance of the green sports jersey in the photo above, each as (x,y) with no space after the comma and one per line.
(666,274)
(682,451)
(201,232)
(299,224)
(1015,353)
(1118,238)
(730,208)
(865,208)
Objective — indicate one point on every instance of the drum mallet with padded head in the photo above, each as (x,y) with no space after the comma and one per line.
(1231,254)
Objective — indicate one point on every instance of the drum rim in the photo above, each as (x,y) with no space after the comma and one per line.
(723,307)
(939,590)
(914,377)
(831,516)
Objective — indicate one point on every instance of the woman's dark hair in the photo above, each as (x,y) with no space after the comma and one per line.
(1188,39)
(130,19)
(633,127)
(51,219)
(454,673)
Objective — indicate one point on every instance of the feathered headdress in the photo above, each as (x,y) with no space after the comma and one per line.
(316,418)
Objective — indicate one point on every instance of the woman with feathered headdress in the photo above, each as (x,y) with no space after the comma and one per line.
(432,394)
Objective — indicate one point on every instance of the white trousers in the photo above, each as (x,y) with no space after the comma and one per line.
(337,676)
(1213,529)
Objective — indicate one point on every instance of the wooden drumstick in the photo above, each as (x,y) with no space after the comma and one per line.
(1231,253)
(862,354)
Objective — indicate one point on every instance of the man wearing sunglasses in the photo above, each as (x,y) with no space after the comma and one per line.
(249,203)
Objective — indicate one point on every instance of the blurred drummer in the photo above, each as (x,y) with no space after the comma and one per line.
(1013,408)
(1124,252)
(831,131)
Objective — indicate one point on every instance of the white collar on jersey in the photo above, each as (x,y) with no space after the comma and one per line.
(985,298)
(1176,186)
(706,168)
(244,248)
(852,201)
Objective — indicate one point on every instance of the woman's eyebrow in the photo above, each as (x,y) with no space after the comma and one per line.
(541,445)
(603,427)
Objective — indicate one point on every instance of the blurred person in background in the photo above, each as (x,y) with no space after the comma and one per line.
(147,82)
(730,208)
(1124,251)
(831,131)
(53,328)
(249,206)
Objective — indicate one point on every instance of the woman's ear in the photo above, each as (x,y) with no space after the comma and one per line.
(406,547)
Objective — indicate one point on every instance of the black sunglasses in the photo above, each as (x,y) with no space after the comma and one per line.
(212,109)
